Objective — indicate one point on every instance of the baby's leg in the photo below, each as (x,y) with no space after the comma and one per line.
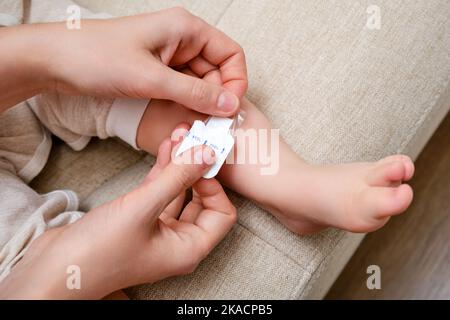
(25,214)
(358,197)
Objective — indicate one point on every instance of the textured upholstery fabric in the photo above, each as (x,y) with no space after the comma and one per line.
(339,92)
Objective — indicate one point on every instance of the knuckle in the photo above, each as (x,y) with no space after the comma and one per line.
(240,49)
(183,17)
(179,11)
(196,24)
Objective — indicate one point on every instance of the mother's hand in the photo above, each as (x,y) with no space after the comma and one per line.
(138,56)
(140,237)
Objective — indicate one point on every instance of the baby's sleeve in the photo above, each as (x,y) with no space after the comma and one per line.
(124,118)
(75,119)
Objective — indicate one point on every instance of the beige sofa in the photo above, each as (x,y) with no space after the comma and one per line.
(338,89)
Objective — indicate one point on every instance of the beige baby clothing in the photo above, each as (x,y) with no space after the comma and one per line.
(25,143)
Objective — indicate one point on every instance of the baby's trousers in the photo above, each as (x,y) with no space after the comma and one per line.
(25,143)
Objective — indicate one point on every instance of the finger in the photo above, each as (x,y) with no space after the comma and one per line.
(195,37)
(165,150)
(217,49)
(213,197)
(200,66)
(198,38)
(188,71)
(173,210)
(179,133)
(194,93)
(177,137)
(192,209)
(213,77)
(222,51)
(218,215)
(175,178)
(162,160)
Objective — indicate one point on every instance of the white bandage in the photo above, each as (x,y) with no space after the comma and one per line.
(215,134)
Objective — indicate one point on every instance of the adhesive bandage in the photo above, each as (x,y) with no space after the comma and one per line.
(215,132)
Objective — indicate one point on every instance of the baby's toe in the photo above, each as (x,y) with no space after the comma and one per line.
(386,202)
(409,169)
(387,174)
(408,163)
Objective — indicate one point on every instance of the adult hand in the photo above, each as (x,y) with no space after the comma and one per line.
(140,237)
(138,56)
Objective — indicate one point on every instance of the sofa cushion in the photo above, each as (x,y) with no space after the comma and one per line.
(83,172)
(339,91)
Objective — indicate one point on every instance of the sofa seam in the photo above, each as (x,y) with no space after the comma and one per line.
(424,116)
(274,247)
(298,293)
(141,158)
(223,13)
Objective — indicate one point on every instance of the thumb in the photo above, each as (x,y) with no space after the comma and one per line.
(197,94)
(150,199)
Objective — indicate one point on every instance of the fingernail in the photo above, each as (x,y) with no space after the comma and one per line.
(198,156)
(178,134)
(209,156)
(227,102)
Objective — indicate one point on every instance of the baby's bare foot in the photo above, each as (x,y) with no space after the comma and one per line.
(358,197)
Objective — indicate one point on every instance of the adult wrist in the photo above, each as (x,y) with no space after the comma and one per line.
(37,58)
(22,62)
